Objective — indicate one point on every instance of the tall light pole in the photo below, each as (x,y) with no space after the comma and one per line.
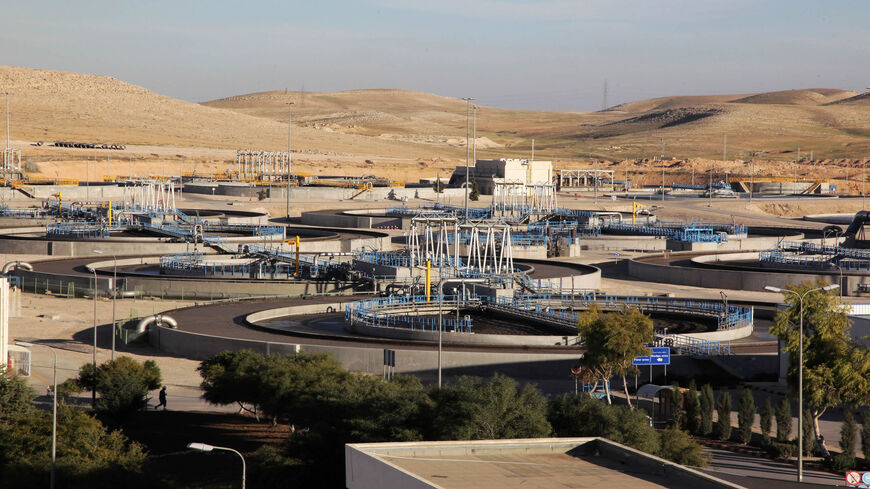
(800,368)
(751,175)
(202,447)
(710,188)
(441,316)
(7,119)
(289,158)
(114,298)
(467,149)
(53,410)
(94,380)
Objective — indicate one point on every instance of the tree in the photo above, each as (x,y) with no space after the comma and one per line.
(865,435)
(809,441)
(723,413)
(474,191)
(745,416)
(693,409)
(16,397)
(232,377)
(765,418)
(678,446)
(88,455)
(581,415)
(438,186)
(848,435)
(706,409)
(122,383)
(611,342)
(783,420)
(835,370)
(479,409)
(275,385)
(676,403)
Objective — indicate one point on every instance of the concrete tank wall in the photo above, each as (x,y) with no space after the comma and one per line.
(719,279)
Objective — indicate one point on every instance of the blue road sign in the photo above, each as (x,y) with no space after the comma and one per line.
(658,356)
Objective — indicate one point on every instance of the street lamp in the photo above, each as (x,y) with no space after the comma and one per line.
(202,447)
(467,149)
(94,385)
(289,119)
(800,367)
(440,313)
(53,410)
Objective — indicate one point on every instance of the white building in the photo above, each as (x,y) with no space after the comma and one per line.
(504,170)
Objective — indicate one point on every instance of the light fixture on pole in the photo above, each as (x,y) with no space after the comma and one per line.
(800,366)
(289,158)
(467,149)
(203,447)
(53,410)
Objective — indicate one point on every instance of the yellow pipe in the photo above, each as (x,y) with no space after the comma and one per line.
(60,204)
(297,255)
(633,211)
(110,213)
(428,281)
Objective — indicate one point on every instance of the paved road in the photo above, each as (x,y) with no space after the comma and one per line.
(763,473)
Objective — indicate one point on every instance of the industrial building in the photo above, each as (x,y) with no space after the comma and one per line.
(488,173)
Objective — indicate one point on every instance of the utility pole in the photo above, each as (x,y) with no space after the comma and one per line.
(725,147)
(7,119)
(662,162)
(604,98)
(467,150)
(710,188)
(289,120)
(751,175)
(474,135)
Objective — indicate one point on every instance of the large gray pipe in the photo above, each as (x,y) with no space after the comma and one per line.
(159,319)
(14,265)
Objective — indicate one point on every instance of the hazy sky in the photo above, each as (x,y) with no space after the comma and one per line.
(548,54)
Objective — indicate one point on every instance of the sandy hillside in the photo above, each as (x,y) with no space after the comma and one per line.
(52,105)
(407,135)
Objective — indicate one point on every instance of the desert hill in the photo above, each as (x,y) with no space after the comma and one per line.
(858,99)
(413,127)
(811,96)
(53,105)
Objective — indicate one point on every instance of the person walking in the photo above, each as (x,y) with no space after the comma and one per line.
(162,398)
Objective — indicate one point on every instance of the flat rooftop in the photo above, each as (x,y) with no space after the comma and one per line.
(507,464)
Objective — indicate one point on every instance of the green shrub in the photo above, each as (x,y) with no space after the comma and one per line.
(745,416)
(848,434)
(809,439)
(473,408)
(783,420)
(765,420)
(781,450)
(841,462)
(723,412)
(706,410)
(693,409)
(581,415)
(678,446)
(676,401)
